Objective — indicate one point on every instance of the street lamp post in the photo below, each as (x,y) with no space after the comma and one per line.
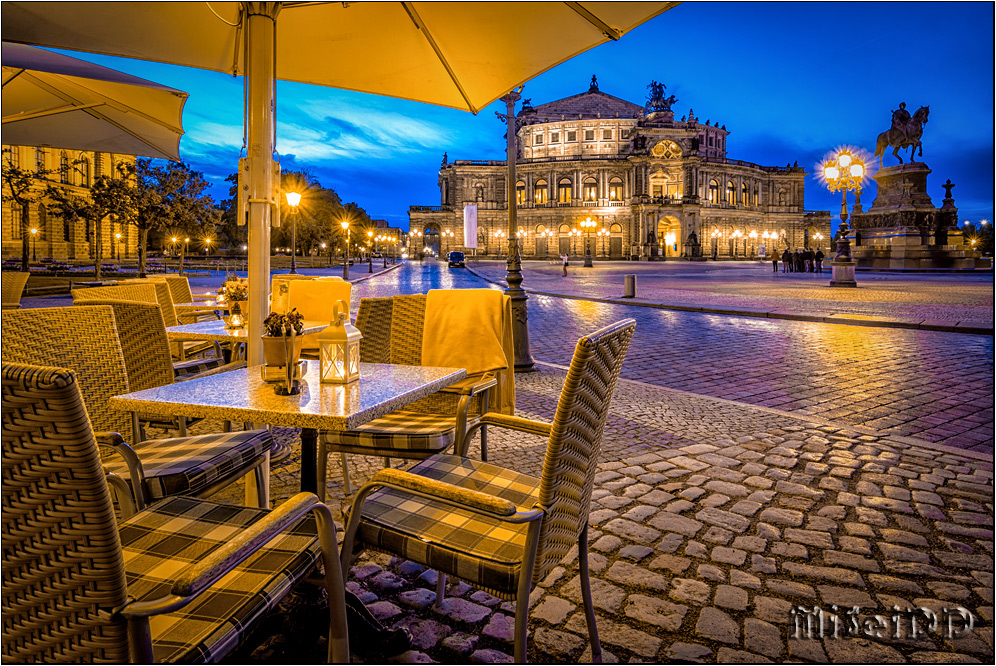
(817,237)
(513,263)
(602,233)
(845,172)
(293,199)
(117,245)
(447,234)
(587,224)
(753,241)
(370,260)
(736,235)
(345,252)
(34,234)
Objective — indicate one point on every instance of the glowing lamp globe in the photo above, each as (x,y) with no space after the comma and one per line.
(339,348)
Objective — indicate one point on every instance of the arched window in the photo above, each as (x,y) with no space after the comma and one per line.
(84,167)
(520,193)
(615,189)
(67,231)
(731,192)
(757,194)
(590,189)
(42,220)
(565,229)
(616,228)
(744,198)
(64,168)
(713,192)
(564,190)
(540,192)
(15,220)
(39,160)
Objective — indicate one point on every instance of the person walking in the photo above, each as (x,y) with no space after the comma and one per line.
(563,258)
(786,260)
(819,260)
(807,260)
(774,261)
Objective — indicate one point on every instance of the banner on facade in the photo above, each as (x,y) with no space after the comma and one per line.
(470,225)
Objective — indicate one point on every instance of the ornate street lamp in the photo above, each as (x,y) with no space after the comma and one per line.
(345,251)
(753,241)
(293,199)
(736,236)
(117,245)
(34,234)
(447,234)
(818,237)
(844,173)
(602,233)
(587,224)
(499,234)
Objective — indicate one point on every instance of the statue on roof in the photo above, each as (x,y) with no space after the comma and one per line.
(657,101)
(594,84)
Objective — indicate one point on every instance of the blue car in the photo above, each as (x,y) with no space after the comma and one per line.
(455,259)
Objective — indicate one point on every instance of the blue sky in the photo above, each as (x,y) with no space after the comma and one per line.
(790,80)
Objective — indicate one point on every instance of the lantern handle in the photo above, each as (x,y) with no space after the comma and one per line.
(339,311)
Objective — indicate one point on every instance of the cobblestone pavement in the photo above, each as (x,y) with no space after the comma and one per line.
(937,386)
(711,521)
(940,298)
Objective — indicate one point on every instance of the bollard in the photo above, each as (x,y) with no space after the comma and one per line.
(629,290)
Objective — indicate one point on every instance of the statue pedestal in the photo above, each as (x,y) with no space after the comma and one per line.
(842,274)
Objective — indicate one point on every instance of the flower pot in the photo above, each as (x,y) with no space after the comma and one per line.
(274,351)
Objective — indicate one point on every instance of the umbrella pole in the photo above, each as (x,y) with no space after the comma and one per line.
(260,102)
(513,277)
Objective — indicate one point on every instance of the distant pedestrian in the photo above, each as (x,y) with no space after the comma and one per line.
(774,261)
(798,261)
(563,258)
(786,261)
(819,260)
(807,259)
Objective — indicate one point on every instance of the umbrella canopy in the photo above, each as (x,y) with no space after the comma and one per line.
(53,100)
(463,55)
(458,54)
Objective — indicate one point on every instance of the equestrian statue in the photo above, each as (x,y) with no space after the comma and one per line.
(905,132)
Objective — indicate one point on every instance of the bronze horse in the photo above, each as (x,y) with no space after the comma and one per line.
(911,139)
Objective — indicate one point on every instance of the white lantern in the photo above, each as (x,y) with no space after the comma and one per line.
(339,348)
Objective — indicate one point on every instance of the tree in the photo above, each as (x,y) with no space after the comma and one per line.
(108,196)
(164,196)
(21,187)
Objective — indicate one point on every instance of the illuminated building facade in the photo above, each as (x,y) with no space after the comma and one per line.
(652,185)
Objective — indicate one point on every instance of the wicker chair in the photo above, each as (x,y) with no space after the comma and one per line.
(79,588)
(392,329)
(179,291)
(12,288)
(497,529)
(147,358)
(154,291)
(84,338)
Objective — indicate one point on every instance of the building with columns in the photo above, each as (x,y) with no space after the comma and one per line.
(59,239)
(633,181)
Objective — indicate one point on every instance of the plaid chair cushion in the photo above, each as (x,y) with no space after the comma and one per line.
(185,369)
(187,465)
(178,532)
(484,552)
(401,430)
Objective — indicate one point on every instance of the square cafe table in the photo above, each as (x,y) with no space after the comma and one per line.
(214,331)
(242,395)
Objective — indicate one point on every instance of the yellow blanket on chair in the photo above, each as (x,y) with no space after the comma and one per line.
(472,329)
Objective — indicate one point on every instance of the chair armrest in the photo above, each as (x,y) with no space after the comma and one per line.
(199,577)
(136,472)
(472,385)
(516,423)
(400,479)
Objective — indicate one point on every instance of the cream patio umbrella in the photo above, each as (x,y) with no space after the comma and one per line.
(54,100)
(463,55)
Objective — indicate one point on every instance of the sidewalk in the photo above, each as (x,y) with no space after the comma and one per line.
(711,520)
(937,302)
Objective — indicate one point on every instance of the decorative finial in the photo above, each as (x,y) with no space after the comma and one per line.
(594,84)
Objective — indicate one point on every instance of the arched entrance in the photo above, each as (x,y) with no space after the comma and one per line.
(669,236)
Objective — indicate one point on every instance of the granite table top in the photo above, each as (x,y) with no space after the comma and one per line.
(242,395)
(215,330)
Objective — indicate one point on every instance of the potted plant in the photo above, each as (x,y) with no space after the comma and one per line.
(275,328)
(237,295)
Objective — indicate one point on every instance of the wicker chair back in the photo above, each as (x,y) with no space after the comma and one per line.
(576,440)
(12,287)
(164,297)
(82,338)
(63,571)
(144,343)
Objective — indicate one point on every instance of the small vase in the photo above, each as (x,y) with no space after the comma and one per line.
(274,352)
(243,308)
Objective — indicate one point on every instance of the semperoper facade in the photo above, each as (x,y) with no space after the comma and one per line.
(653,185)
